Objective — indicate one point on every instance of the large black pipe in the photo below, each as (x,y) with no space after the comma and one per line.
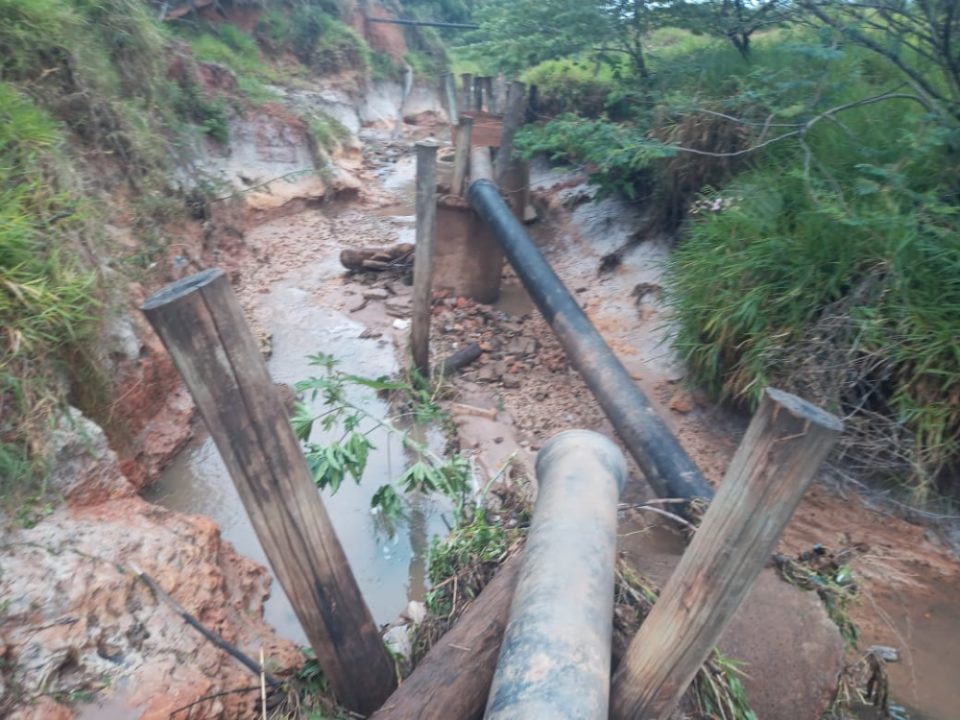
(666,466)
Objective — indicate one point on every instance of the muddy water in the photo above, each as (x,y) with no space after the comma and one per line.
(390,570)
(297,310)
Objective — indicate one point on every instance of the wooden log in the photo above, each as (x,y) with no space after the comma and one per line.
(462,157)
(453,680)
(423,255)
(461,358)
(395,256)
(202,326)
(787,440)
(513,118)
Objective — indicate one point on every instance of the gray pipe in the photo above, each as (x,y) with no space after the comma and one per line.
(554,663)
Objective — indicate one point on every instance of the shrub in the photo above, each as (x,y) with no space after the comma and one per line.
(572,85)
(318,39)
(842,285)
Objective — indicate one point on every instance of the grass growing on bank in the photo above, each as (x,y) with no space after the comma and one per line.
(825,261)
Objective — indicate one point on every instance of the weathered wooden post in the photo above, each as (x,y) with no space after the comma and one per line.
(478,88)
(201,324)
(423,254)
(461,158)
(488,92)
(787,440)
(450,93)
(512,120)
(467,80)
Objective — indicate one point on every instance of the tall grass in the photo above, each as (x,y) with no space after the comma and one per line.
(48,300)
(832,267)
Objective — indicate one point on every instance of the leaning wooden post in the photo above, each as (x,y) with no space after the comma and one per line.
(423,255)
(467,80)
(787,440)
(462,157)
(202,326)
(512,120)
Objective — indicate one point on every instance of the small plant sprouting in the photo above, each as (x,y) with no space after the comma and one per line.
(331,462)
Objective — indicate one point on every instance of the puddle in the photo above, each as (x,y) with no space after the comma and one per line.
(390,571)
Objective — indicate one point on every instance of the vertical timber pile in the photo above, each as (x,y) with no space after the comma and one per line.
(423,254)
(512,120)
(449,90)
(787,440)
(202,326)
(462,157)
(467,80)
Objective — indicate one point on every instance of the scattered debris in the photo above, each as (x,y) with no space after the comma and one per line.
(399,256)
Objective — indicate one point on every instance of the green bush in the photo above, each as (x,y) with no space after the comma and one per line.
(326,131)
(318,39)
(572,85)
(840,281)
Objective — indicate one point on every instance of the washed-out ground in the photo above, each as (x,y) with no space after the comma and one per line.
(516,396)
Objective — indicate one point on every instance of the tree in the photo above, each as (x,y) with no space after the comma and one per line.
(918,36)
(734,20)
(517,34)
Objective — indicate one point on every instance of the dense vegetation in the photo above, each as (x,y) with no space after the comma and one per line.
(805,157)
(99,102)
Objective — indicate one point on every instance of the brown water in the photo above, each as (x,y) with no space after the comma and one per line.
(297,312)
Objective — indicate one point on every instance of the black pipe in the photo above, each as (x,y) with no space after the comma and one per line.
(666,466)
(424,23)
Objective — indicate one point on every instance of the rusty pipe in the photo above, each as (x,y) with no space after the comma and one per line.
(554,663)
(665,464)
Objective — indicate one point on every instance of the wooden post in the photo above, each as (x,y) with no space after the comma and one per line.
(450,93)
(512,120)
(201,324)
(462,157)
(491,97)
(453,680)
(423,254)
(787,440)
(467,80)
(479,86)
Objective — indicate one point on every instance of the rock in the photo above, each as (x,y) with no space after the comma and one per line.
(376,294)
(681,402)
(399,307)
(510,380)
(399,324)
(85,470)
(77,618)
(415,612)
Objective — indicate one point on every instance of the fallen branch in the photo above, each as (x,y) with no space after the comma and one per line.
(377,259)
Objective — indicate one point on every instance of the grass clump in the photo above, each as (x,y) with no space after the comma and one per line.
(48,299)
(327,132)
(318,39)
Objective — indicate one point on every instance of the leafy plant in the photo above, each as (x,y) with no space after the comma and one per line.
(332,462)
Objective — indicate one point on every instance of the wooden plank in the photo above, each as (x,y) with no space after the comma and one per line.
(787,440)
(202,326)
(453,680)
(513,117)
(462,157)
(423,255)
